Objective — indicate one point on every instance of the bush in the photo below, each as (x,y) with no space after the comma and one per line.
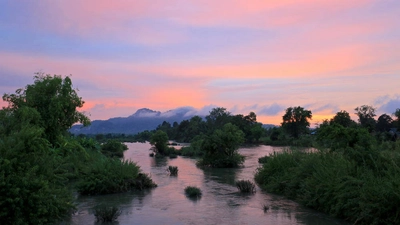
(221,148)
(113,148)
(173,170)
(193,192)
(107,175)
(246,186)
(106,214)
(263,159)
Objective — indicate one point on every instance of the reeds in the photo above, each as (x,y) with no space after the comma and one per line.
(173,170)
(246,186)
(107,214)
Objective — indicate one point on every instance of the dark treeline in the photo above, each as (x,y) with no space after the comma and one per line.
(41,165)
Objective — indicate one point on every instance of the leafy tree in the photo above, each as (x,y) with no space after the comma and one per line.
(217,118)
(337,137)
(295,121)
(55,100)
(366,116)
(342,118)
(384,123)
(397,120)
(160,141)
(32,188)
(221,147)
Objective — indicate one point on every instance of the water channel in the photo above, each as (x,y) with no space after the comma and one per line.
(221,202)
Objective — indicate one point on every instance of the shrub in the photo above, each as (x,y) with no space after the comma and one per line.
(173,170)
(193,192)
(107,175)
(106,214)
(246,186)
(263,159)
(221,148)
(113,148)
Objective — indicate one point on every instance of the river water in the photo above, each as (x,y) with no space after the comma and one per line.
(221,203)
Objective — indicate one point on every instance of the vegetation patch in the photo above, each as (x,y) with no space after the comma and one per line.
(246,186)
(193,192)
(173,170)
(361,189)
(113,148)
(106,214)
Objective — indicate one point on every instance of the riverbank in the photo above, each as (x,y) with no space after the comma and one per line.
(358,185)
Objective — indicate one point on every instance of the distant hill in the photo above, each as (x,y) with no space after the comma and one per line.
(143,119)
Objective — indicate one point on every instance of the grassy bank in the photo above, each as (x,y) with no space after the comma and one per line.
(360,186)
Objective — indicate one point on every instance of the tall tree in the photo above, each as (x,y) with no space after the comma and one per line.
(217,118)
(384,123)
(160,141)
(296,121)
(366,116)
(221,147)
(397,120)
(342,118)
(55,100)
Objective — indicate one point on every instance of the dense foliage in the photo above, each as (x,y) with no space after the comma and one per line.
(39,160)
(354,175)
(220,148)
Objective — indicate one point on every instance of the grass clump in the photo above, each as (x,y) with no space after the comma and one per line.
(265,208)
(106,214)
(246,186)
(173,170)
(193,192)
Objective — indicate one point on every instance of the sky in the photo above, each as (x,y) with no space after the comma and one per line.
(254,55)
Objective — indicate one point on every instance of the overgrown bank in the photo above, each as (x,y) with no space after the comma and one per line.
(358,185)
(39,161)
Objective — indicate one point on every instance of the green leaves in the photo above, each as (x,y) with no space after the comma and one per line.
(295,121)
(56,102)
(221,147)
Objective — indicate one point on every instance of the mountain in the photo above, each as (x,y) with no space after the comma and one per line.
(143,119)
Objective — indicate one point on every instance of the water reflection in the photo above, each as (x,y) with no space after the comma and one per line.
(221,202)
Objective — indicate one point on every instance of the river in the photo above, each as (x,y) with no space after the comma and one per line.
(221,203)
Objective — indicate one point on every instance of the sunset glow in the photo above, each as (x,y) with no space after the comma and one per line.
(261,56)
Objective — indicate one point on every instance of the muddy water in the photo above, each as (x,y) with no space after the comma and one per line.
(220,204)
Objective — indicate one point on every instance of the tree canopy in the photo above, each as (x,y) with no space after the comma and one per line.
(296,121)
(54,99)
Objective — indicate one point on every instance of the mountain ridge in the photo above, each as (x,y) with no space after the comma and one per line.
(143,119)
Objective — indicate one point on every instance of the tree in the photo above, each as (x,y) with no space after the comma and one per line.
(397,115)
(32,188)
(160,141)
(295,121)
(217,118)
(366,116)
(342,118)
(55,100)
(221,147)
(384,123)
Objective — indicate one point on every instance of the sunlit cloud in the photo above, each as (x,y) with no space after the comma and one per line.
(260,56)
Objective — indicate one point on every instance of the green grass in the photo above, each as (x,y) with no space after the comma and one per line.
(193,192)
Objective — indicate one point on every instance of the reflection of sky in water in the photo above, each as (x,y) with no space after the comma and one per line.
(221,202)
